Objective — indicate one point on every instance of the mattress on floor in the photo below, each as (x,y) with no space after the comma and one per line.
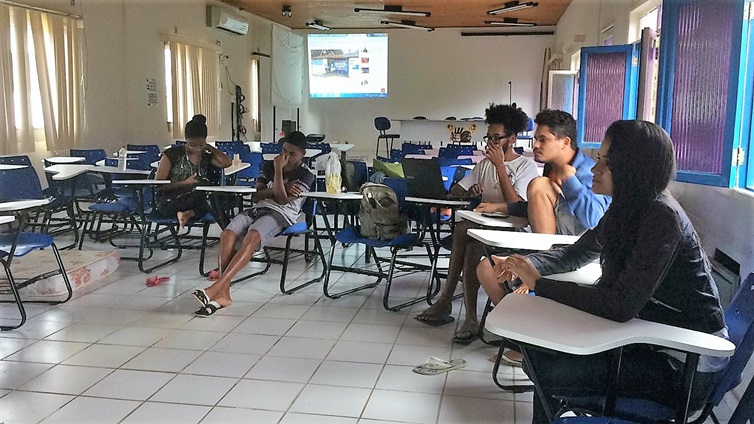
(84,269)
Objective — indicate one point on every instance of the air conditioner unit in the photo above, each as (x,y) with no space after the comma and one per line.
(219,18)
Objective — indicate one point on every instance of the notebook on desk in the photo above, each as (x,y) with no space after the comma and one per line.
(424,178)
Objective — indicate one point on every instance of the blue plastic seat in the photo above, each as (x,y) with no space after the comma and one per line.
(15,185)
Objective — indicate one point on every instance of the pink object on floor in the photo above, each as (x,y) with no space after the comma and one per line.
(156,281)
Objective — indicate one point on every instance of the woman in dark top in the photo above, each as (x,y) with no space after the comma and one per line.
(186,167)
(653,268)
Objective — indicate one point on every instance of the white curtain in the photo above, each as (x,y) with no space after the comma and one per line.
(196,86)
(287,68)
(55,55)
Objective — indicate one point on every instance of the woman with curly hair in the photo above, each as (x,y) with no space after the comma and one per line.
(653,268)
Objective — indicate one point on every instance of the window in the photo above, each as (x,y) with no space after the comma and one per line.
(255,124)
(608,80)
(699,93)
(192,85)
(42,73)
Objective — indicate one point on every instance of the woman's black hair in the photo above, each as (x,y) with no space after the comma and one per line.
(196,127)
(642,162)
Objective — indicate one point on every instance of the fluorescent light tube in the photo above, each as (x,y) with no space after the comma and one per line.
(407,24)
(513,6)
(317,24)
(511,22)
(392,10)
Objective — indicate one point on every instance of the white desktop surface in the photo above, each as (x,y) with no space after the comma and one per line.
(18,205)
(323,195)
(587,275)
(7,219)
(546,323)
(64,159)
(145,181)
(477,218)
(67,171)
(438,202)
(115,170)
(228,189)
(236,167)
(309,153)
(7,167)
(520,240)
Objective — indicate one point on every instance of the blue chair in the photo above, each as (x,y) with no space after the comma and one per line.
(382,124)
(15,160)
(249,175)
(414,149)
(269,254)
(739,316)
(152,149)
(230,148)
(271,148)
(23,184)
(400,244)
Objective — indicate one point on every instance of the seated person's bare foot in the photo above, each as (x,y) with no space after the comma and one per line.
(468,332)
(510,357)
(183,218)
(437,314)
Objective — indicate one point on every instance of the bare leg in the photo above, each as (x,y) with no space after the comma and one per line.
(488,280)
(219,291)
(227,248)
(542,194)
(474,251)
(443,306)
(184,216)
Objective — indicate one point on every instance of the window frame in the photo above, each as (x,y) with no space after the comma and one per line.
(630,92)
(731,138)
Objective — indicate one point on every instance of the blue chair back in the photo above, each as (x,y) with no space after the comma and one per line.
(270,148)
(151,148)
(447,153)
(251,173)
(454,161)
(15,160)
(230,148)
(740,319)
(382,124)
(448,174)
(414,149)
(530,124)
(20,184)
(396,155)
(91,156)
(400,188)
(461,149)
(361,172)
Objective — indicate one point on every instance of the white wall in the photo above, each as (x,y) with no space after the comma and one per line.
(435,74)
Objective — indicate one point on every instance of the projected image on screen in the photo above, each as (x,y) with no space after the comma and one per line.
(347,65)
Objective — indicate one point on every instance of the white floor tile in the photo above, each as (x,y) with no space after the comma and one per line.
(296,370)
(9,346)
(330,313)
(162,360)
(15,374)
(52,352)
(93,410)
(317,329)
(259,394)
(371,333)
(131,385)
(403,406)
(352,374)
(137,336)
(375,353)
(36,329)
(65,379)
(416,355)
(300,347)
(223,415)
(331,400)
(282,311)
(401,378)
(195,390)
(221,364)
(166,413)
(474,384)
(294,418)
(245,343)
(222,323)
(267,326)
(80,332)
(463,410)
(29,407)
(108,356)
(190,340)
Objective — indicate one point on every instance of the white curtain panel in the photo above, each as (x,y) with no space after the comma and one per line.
(15,120)
(196,86)
(287,68)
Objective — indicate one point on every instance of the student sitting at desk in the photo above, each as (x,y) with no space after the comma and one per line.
(186,167)
(501,177)
(653,268)
(277,205)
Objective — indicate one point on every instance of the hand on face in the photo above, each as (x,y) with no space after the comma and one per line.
(281,160)
(494,152)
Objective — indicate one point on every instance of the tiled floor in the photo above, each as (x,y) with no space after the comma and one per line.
(135,354)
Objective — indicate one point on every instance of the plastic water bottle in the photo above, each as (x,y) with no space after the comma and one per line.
(122,157)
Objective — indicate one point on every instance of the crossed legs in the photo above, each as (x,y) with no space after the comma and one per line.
(542,195)
(231,262)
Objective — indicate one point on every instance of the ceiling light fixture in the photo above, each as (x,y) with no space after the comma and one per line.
(513,6)
(317,24)
(392,10)
(511,22)
(287,12)
(407,24)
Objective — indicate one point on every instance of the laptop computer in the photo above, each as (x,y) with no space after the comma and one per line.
(424,178)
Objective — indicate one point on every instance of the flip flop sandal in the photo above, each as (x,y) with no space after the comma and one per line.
(156,281)
(201,296)
(209,309)
(465,337)
(434,320)
(435,366)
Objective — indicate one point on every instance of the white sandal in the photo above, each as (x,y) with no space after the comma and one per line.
(434,366)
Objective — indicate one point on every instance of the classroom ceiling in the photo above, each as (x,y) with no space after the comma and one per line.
(340,14)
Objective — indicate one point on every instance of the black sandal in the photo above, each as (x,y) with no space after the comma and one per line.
(209,309)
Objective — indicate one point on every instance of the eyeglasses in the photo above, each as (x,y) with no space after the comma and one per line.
(494,138)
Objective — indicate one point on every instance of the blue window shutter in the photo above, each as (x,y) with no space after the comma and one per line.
(608,86)
(699,93)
